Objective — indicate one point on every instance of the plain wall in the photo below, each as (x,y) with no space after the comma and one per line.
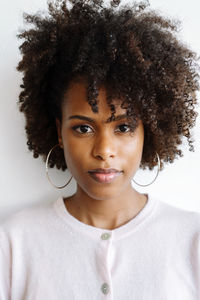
(23,181)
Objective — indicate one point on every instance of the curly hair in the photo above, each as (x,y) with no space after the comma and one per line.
(131,50)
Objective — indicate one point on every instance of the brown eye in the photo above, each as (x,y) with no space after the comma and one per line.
(124,128)
(82,129)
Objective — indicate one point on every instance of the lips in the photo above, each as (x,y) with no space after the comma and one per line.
(104,175)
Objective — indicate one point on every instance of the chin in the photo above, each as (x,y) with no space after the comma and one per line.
(103,192)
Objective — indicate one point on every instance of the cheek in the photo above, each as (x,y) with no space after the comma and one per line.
(74,153)
(71,153)
(132,153)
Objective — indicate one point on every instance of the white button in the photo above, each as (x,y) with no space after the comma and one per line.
(105,236)
(105,288)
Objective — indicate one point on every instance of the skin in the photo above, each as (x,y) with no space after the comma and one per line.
(99,144)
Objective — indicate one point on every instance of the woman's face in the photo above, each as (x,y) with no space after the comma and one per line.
(90,143)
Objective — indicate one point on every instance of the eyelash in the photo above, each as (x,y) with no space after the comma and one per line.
(84,125)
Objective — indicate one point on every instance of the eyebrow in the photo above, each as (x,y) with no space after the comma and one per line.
(117,118)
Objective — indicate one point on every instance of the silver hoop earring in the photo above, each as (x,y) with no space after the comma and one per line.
(47,170)
(155,176)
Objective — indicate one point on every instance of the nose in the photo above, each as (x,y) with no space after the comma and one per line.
(104,147)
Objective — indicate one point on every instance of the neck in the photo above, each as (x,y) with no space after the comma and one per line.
(107,213)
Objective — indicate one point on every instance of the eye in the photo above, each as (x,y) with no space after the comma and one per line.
(124,128)
(82,129)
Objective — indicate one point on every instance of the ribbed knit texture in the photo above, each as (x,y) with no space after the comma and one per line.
(47,254)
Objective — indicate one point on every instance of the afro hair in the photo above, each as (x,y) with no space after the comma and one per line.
(131,50)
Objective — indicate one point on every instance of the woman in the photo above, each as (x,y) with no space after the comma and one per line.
(105,91)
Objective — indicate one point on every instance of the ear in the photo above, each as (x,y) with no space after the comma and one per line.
(58,126)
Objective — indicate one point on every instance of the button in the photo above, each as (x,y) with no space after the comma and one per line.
(105,288)
(105,236)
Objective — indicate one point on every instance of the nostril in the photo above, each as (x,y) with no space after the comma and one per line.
(104,149)
(99,157)
(104,156)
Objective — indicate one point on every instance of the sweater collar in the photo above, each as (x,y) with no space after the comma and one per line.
(94,232)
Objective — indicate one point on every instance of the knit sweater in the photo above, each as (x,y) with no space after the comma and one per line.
(47,254)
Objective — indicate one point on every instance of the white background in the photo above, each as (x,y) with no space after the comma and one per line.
(23,181)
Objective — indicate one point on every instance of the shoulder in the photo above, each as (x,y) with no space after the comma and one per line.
(177,213)
(178,222)
(27,220)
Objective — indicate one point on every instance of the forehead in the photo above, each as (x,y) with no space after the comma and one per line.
(75,101)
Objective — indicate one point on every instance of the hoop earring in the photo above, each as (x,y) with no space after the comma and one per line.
(156,173)
(47,170)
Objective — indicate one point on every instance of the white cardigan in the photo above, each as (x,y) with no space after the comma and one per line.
(47,254)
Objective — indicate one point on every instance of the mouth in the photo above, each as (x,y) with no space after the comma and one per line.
(104,175)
